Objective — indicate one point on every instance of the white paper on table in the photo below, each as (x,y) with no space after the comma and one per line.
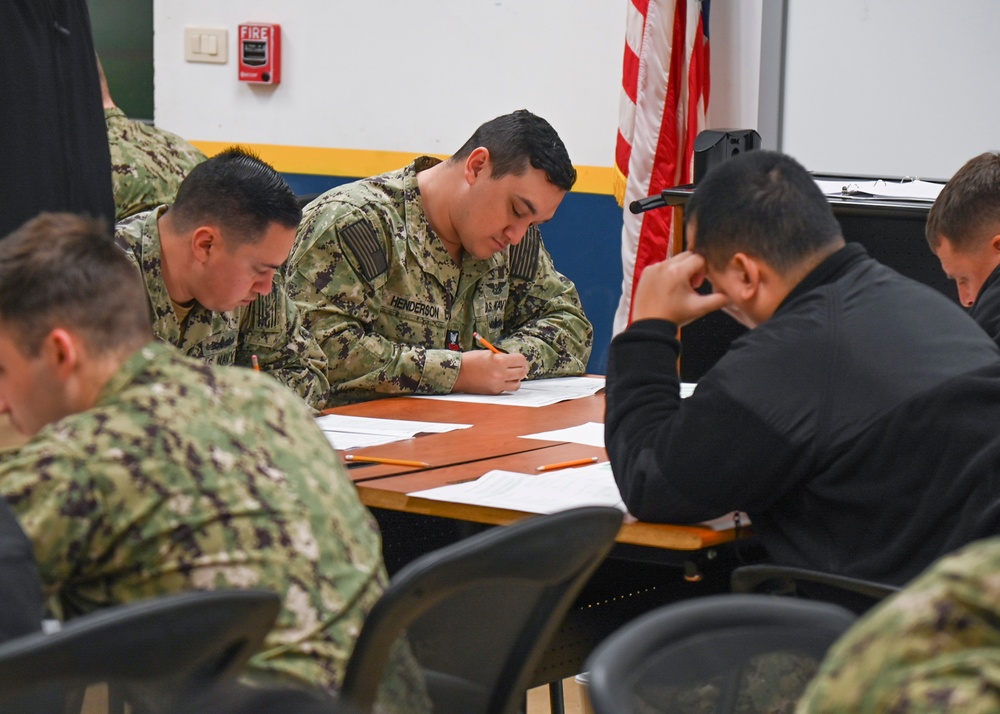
(353,432)
(534,393)
(591,434)
(351,440)
(550,492)
(535,493)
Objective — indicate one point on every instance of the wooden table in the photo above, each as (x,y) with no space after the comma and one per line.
(494,441)
(651,565)
(495,431)
(391,493)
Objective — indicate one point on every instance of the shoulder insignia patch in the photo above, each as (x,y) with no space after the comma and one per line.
(524,255)
(362,240)
(264,314)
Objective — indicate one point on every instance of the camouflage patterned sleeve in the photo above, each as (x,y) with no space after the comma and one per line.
(340,295)
(147,163)
(543,319)
(48,490)
(934,647)
(272,329)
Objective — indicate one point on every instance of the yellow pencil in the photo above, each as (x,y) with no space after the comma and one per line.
(567,464)
(485,343)
(389,462)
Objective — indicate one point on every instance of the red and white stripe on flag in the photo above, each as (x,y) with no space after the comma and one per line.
(665,86)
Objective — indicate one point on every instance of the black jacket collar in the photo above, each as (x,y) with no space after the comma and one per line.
(830,270)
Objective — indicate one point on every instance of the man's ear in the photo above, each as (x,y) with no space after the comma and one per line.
(748,272)
(995,245)
(204,241)
(476,163)
(62,349)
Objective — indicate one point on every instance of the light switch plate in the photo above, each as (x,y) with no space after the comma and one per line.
(206,44)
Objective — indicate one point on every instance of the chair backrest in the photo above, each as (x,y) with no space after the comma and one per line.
(478,614)
(720,653)
(853,593)
(158,651)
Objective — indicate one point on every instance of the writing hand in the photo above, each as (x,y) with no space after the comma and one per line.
(485,372)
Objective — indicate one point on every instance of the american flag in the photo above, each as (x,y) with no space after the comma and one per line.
(665,83)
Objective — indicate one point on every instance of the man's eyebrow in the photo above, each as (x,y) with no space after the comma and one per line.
(531,207)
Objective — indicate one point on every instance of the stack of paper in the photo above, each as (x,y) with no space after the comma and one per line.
(535,393)
(352,432)
(535,493)
(908,190)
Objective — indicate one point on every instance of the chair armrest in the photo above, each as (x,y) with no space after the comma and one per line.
(783,579)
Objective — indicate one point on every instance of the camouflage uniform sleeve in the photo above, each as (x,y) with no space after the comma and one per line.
(49,491)
(934,647)
(543,319)
(340,293)
(272,328)
(147,163)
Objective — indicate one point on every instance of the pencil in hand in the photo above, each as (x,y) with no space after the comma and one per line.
(485,343)
(255,363)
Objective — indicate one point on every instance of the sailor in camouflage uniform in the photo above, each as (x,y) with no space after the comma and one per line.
(934,647)
(151,473)
(147,163)
(211,268)
(394,273)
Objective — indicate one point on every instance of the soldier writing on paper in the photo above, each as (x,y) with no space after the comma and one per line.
(396,272)
(211,265)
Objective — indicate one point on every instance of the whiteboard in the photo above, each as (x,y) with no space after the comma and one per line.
(891,87)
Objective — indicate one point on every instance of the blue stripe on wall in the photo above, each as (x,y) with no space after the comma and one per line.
(584,239)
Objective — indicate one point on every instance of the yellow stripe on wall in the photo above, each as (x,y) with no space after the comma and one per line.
(360,163)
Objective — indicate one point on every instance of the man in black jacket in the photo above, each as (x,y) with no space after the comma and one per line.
(963,230)
(856,424)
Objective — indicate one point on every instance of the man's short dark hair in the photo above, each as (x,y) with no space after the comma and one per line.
(517,139)
(240,192)
(967,210)
(61,269)
(764,204)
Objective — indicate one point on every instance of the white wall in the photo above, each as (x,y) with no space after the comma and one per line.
(734,43)
(891,87)
(398,75)
(886,87)
(419,76)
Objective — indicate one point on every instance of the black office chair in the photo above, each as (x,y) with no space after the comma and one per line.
(156,653)
(236,698)
(720,654)
(855,594)
(478,614)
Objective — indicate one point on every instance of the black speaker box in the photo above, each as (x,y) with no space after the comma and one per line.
(713,146)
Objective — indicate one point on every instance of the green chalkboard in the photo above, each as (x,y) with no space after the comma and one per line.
(123,37)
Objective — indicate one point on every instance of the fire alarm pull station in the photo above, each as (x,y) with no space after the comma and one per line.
(260,53)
